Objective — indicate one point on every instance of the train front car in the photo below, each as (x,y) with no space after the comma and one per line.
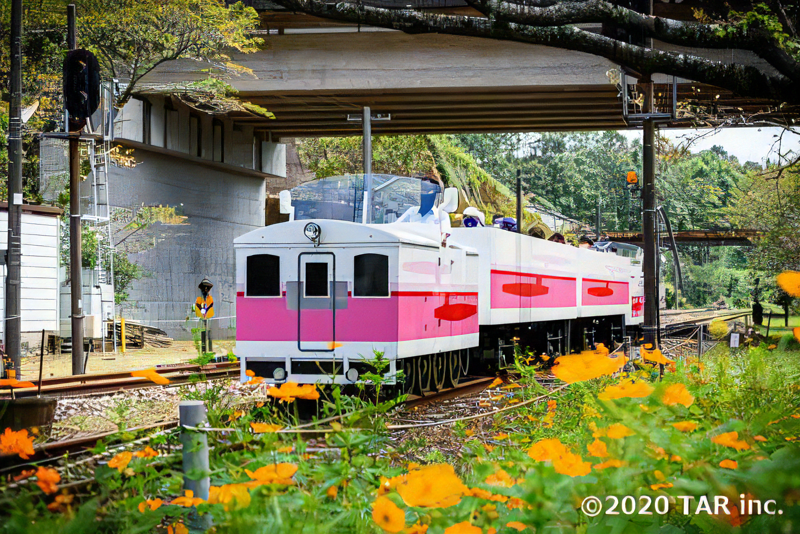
(316,297)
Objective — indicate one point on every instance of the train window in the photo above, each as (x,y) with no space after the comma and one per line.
(316,282)
(371,275)
(263,276)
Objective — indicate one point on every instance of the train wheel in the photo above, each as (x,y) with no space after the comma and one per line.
(453,369)
(409,367)
(424,372)
(439,370)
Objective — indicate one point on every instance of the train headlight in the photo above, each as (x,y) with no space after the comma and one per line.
(279,373)
(351,374)
(313,232)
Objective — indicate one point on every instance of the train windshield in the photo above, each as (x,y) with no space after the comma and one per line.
(620,249)
(341,198)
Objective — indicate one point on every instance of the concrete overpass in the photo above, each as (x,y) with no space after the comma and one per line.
(313,73)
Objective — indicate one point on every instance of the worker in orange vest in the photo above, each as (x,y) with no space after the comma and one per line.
(204,309)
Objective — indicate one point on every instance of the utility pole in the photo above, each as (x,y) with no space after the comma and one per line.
(649,216)
(597,221)
(519,202)
(13,324)
(366,122)
(75,253)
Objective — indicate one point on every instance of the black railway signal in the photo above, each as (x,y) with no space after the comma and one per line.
(81,87)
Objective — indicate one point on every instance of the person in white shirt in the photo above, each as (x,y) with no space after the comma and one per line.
(425,213)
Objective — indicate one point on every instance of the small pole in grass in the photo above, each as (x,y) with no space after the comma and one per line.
(699,342)
(769,321)
(41,364)
(195,456)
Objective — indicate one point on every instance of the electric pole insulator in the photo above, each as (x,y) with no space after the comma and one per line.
(81,86)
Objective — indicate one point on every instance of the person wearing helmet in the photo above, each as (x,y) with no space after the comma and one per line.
(204,309)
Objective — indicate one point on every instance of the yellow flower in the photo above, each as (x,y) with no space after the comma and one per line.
(500,436)
(261,428)
(626,388)
(287,449)
(16,443)
(188,500)
(387,515)
(618,431)
(465,527)
(729,464)
(730,439)
(154,504)
(677,394)
(597,449)
(686,426)
(587,365)
(121,461)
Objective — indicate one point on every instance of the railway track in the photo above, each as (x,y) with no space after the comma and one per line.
(100,384)
(705,319)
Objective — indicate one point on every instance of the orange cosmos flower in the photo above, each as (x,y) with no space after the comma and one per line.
(610,463)
(501,478)
(618,431)
(290,391)
(387,515)
(16,443)
(564,461)
(281,473)
(261,428)
(501,436)
(730,439)
(231,496)
(587,365)
(25,474)
(59,502)
(597,449)
(677,394)
(654,355)
(250,373)
(759,438)
(153,504)
(656,487)
(286,449)
(626,388)
(432,486)
(416,528)
(516,525)
(47,479)
(332,491)
(729,464)
(14,383)
(148,452)
(179,528)
(686,426)
(188,500)
(465,527)
(496,382)
(121,461)
(151,375)
(790,282)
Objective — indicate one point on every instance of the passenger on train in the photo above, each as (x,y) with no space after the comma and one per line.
(424,213)
(585,242)
(535,231)
(473,217)
(557,238)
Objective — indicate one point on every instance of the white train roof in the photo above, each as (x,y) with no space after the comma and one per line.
(343,233)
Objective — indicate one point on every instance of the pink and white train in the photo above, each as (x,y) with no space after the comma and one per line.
(319,294)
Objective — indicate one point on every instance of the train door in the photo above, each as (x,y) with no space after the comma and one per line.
(316,313)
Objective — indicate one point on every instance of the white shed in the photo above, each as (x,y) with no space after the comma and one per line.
(41,228)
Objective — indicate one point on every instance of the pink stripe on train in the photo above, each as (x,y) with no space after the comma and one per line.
(529,290)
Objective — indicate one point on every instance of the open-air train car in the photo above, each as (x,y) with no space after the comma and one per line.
(316,297)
